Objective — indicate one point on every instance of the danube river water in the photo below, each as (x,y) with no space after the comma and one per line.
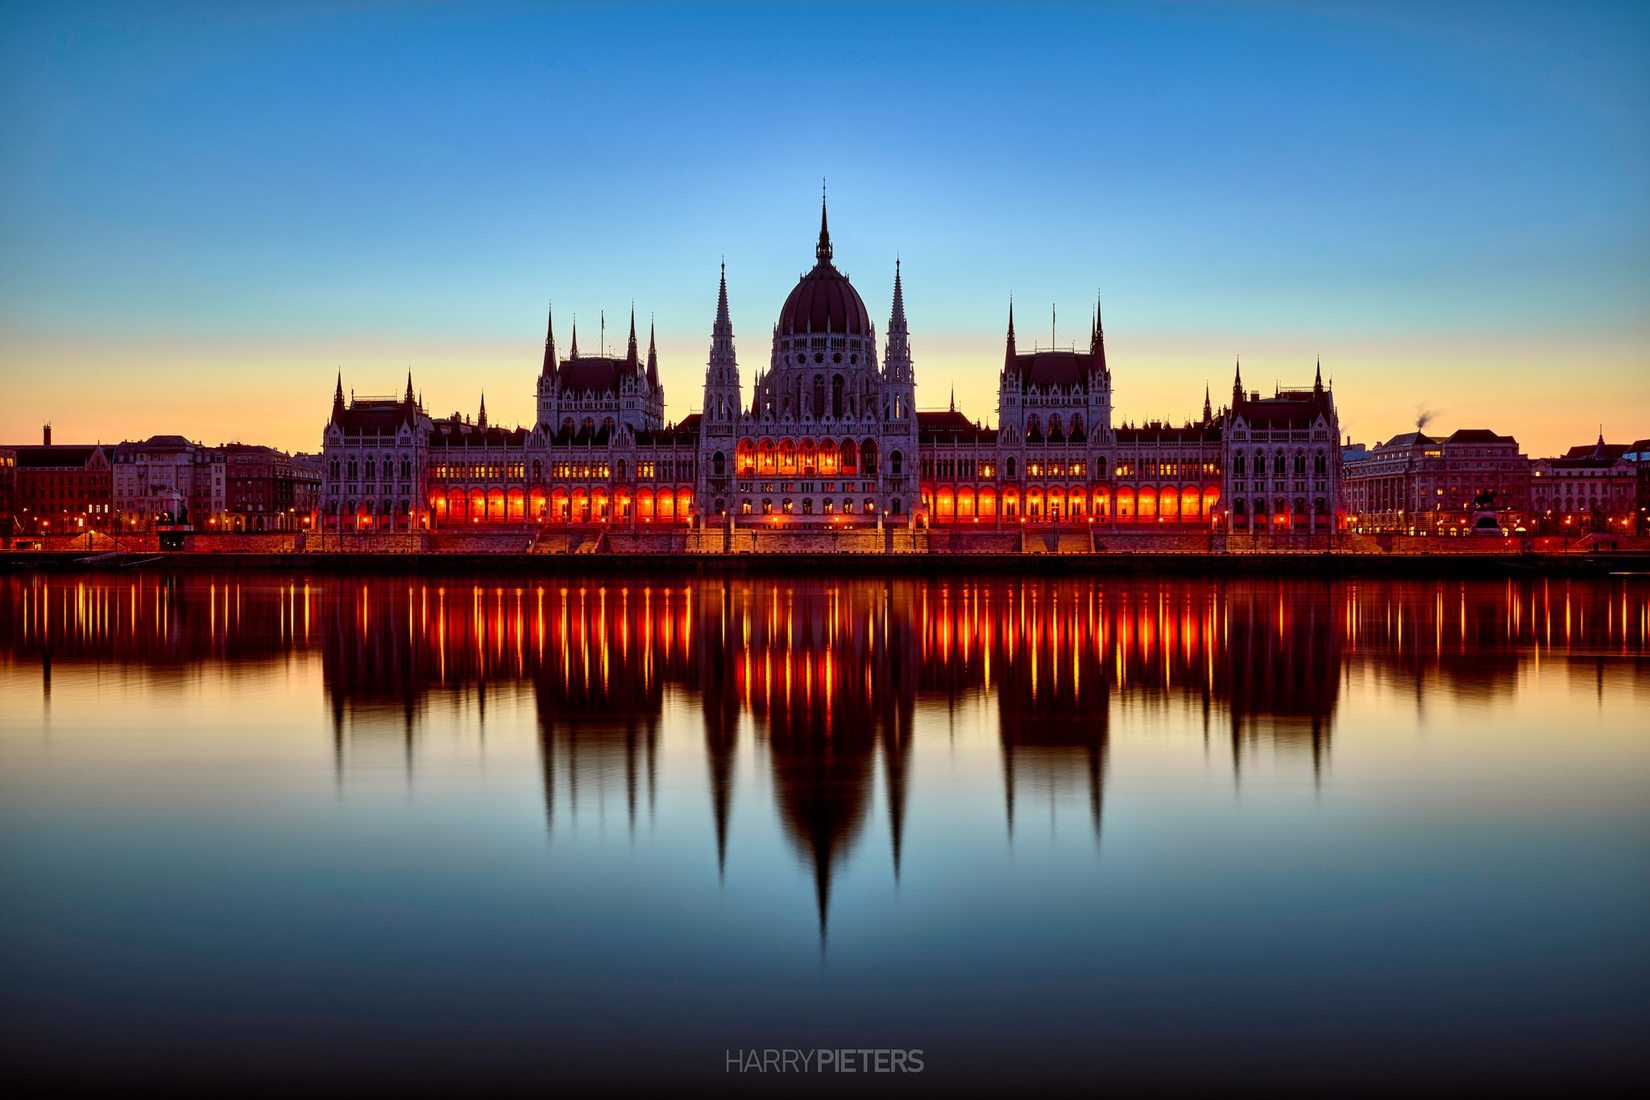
(449,834)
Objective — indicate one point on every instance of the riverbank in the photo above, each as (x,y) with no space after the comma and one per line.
(1254,563)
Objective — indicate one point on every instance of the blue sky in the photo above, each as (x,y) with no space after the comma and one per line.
(208,210)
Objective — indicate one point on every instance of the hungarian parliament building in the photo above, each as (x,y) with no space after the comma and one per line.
(831,436)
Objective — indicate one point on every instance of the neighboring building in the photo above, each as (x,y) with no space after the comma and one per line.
(1638,453)
(1416,483)
(61,489)
(1589,489)
(1283,467)
(167,478)
(269,490)
(374,454)
(8,493)
(832,436)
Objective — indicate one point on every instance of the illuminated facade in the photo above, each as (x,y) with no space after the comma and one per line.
(1416,483)
(831,438)
(1594,488)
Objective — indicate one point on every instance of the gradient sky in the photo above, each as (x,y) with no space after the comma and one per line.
(207,210)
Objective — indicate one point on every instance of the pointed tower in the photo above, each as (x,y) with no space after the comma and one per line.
(338,400)
(900,387)
(1099,390)
(1208,409)
(1237,383)
(652,356)
(1008,388)
(1008,355)
(654,392)
(1097,341)
(574,353)
(1317,381)
(481,418)
(721,407)
(548,384)
(631,357)
(549,367)
(822,250)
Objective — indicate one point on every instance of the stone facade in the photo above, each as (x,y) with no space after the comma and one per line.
(831,440)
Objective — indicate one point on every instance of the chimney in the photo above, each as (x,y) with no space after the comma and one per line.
(46,435)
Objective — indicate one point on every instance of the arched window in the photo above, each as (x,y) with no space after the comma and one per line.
(1300,463)
(717,462)
(1277,464)
(1034,429)
(621,469)
(896,462)
(819,397)
(1319,464)
(836,396)
(372,467)
(335,469)
(1011,466)
(849,455)
(868,457)
(538,470)
(1237,464)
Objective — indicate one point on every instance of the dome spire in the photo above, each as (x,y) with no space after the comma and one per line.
(822,251)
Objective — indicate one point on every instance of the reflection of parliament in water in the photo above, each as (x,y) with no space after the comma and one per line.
(831,674)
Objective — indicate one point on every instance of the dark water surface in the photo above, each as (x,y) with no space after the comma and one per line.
(1209,836)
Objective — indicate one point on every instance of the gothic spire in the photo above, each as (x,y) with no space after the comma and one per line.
(1008,354)
(630,350)
(1097,344)
(652,356)
(1317,382)
(338,399)
(822,251)
(407,398)
(481,420)
(1237,383)
(549,341)
(723,324)
(1208,408)
(574,354)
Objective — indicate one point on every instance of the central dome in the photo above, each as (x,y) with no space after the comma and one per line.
(824,301)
